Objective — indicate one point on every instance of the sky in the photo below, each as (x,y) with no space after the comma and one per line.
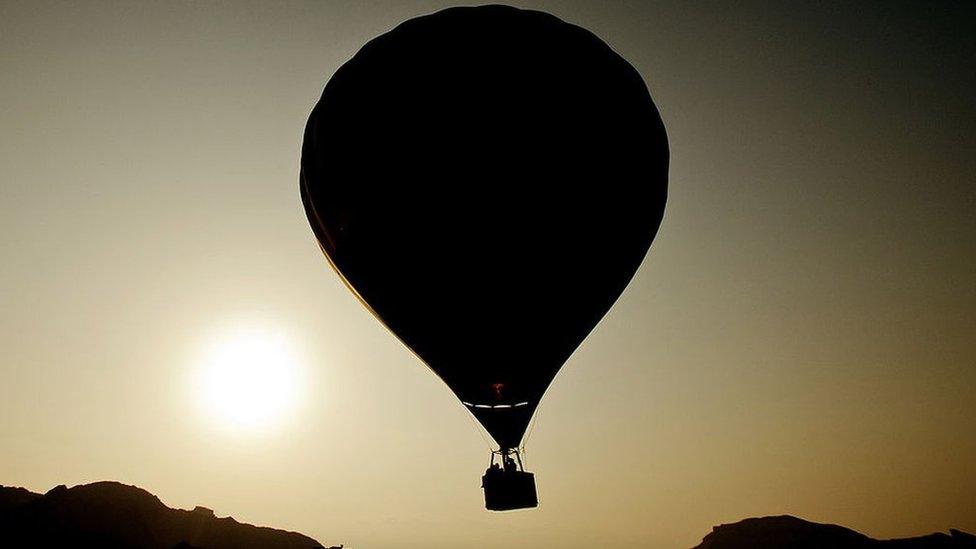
(799,340)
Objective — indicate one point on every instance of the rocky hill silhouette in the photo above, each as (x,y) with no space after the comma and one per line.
(786,532)
(111,515)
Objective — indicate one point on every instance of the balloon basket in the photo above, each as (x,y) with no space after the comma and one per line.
(507,487)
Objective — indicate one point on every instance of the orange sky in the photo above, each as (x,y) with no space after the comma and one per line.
(799,339)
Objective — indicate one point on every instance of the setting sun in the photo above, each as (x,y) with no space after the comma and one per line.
(248,381)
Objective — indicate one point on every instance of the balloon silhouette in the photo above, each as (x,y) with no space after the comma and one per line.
(487,180)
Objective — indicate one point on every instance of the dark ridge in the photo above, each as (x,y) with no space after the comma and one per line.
(786,532)
(15,497)
(111,515)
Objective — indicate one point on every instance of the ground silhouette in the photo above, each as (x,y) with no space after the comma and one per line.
(786,532)
(111,515)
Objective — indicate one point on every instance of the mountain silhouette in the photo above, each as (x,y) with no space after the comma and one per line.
(111,515)
(786,532)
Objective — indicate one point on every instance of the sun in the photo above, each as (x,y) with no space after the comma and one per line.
(248,381)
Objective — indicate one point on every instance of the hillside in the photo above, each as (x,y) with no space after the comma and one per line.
(113,515)
(786,532)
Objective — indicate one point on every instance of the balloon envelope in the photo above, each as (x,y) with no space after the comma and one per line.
(487,180)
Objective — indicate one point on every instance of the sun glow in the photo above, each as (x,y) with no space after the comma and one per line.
(249,381)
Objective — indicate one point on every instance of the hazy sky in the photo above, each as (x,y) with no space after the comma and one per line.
(799,340)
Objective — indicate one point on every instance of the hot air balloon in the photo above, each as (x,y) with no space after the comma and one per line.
(487,180)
